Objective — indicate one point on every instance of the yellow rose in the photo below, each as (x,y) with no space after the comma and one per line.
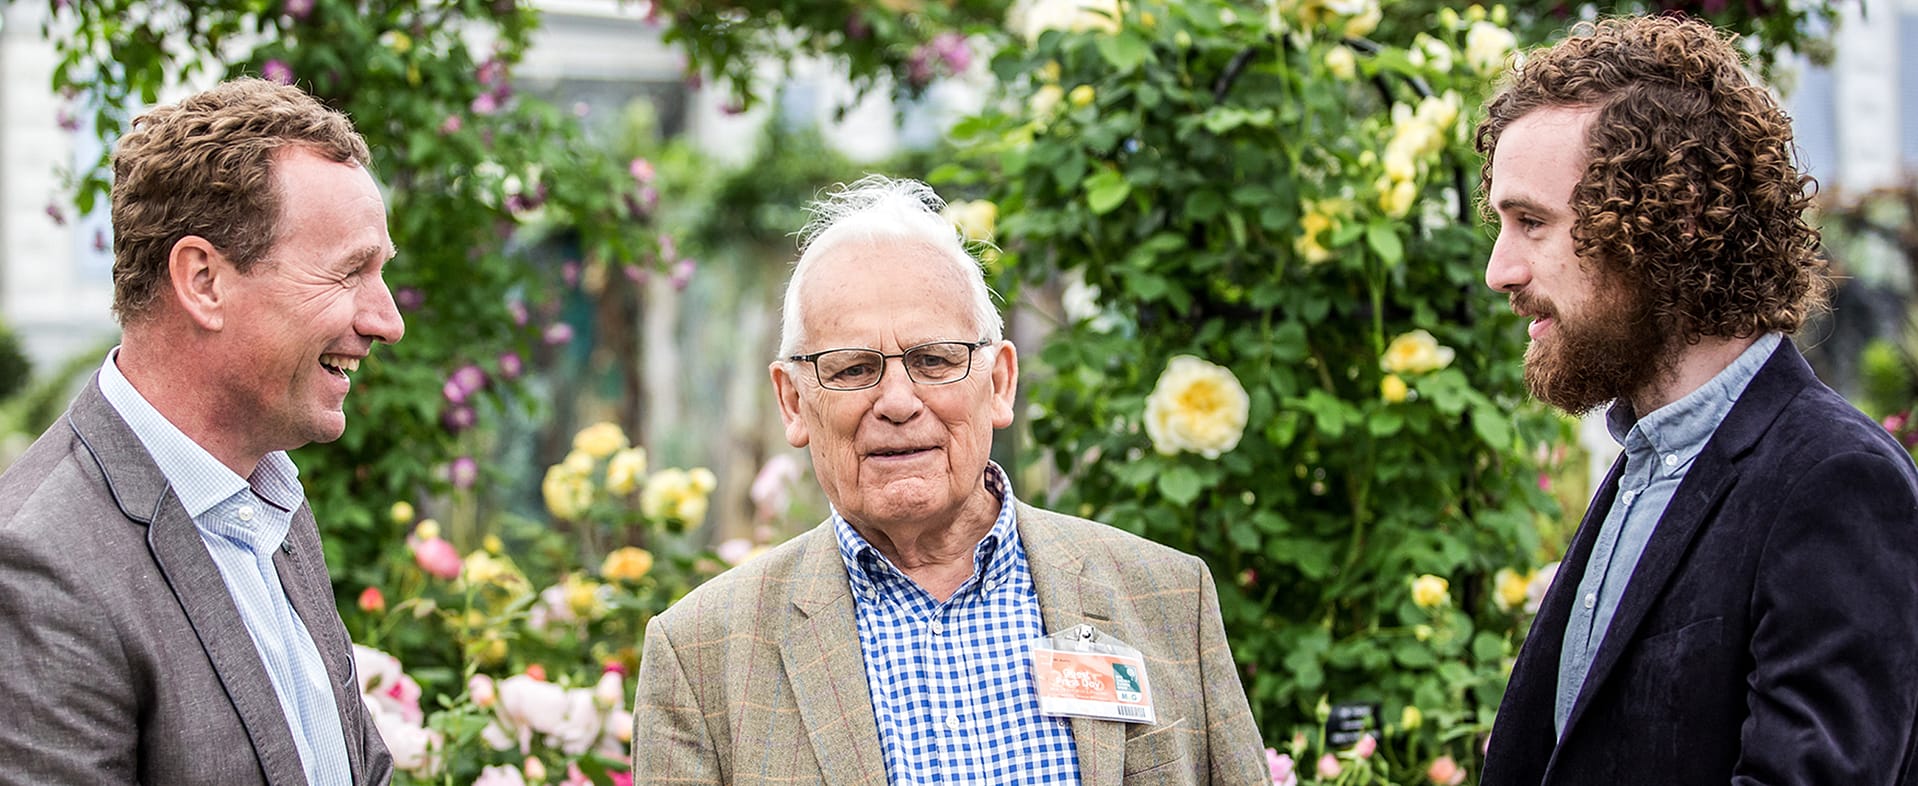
(1396,201)
(1081,95)
(585,597)
(977,219)
(397,41)
(567,493)
(1509,588)
(579,462)
(1196,406)
(483,568)
(1315,223)
(1363,24)
(1411,718)
(427,530)
(492,544)
(600,440)
(1487,46)
(627,564)
(1416,352)
(1430,592)
(701,480)
(1045,101)
(1341,62)
(1393,389)
(624,470)
(402,513)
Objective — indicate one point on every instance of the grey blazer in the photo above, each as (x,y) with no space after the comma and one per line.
(124,657)
(756,677)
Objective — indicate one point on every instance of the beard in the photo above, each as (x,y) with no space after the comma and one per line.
(1612,349)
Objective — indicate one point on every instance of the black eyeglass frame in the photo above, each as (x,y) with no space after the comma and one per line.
(813,358)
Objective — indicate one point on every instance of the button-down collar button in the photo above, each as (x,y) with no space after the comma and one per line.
(245,512)
(1591,599)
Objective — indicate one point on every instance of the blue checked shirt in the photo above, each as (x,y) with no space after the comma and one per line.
(243,521)
(951,683)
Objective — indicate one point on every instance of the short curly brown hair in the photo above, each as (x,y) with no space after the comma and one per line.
(204,167)
(1690,189)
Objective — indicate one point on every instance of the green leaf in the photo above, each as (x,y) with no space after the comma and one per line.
(1493,426)
(1385,242)
(1124,51)
(1181,485)
(1106,190)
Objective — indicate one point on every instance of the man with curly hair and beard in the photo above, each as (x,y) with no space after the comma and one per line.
(1740,603)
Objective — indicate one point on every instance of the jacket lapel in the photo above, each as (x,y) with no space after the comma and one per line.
(827,668)
(1712,476)
(144,496)
(1069,596)
(309,590)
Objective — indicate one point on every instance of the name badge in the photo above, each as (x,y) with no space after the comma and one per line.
(1083,673)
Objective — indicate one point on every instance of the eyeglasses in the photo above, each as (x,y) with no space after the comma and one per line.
(932,363)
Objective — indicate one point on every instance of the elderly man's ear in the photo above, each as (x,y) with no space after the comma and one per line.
(786,389)
(1005,384)
(198,277)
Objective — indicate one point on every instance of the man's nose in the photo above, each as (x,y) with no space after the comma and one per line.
(1505,270)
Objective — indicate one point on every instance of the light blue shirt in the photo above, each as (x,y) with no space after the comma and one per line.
(1659,450)
(952,688)
(243,521)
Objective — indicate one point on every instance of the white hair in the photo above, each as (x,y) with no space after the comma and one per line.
(875,208)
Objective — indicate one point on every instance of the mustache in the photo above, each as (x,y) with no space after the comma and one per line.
(1526,304)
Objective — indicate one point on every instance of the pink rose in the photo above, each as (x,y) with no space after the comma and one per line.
(1445,772)
(1367,746)
(1281,767)
(1329,766)
(436,557)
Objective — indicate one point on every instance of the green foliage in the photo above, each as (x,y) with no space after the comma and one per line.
(1233,197)
(15,368)
(465,163)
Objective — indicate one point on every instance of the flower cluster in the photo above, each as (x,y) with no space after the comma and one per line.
(1196,406)
(1416,352)
(1418,136)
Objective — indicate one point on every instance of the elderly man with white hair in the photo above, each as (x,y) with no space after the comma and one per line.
(934,629)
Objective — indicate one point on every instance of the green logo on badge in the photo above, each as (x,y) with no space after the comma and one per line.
(1125,682)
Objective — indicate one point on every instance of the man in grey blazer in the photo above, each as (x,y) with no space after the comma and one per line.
(165,613)
(895,642)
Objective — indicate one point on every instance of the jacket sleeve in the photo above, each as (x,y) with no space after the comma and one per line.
(1232,738)
(71,704)
(670,741)
(1834,687)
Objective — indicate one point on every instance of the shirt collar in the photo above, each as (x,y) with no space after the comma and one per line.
(1683,426)
(197,478)
(866,568)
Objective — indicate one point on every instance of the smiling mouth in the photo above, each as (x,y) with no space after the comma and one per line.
(339,365)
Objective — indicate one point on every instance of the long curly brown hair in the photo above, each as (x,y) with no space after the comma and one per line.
(1690,189)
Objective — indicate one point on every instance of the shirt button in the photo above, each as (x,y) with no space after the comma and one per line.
(936,627)
(245,512)
(1591,599)
(1628,496)
(1671,459)
(952,721)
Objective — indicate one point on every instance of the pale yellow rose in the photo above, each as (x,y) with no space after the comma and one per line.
(1341,62)
(482,568)
(600,440)
(1081,95)
(701,480)
(1317,221)
(1411,718)
(1487,46)
(567,493)
(1430,592)
(1393,389)
(1031,18)
(402,512)
(586,598)
(1045,101)
(624,470)
(1416,352)
(1196,406)
(1508,588)
(427,530)
(579,462)
(976,219)
(1397,201)
(629,563)
(1364,23)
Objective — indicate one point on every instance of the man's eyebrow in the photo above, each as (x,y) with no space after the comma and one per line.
(1521,203)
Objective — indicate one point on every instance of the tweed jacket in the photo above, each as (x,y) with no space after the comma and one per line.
(126,659)
(757,676)
(1769,634)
